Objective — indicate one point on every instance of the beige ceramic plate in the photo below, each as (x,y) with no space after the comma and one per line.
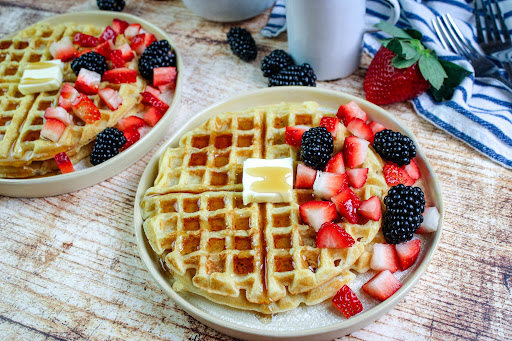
(318,322)
(65,183)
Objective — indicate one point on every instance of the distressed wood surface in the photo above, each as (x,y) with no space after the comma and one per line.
(70,269)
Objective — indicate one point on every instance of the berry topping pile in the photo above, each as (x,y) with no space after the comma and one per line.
(107,145)
(294,75)
(316,147)
(111,5)
(91,61)
(158,54)
(276,61)
(242,43)
(394,147)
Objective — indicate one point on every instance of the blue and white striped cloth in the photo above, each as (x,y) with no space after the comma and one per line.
(480,112)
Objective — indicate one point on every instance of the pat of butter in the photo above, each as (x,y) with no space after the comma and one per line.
(41,76)
(267,180)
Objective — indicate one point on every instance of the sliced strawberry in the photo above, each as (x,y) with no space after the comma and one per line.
(84,108)
(111,98)
(430,220)
(126,52)
(85,40)
(166,95)
(159,105)
(371,208)
(395,175)
(108,34)
(331,124)
(60,114)
(116,56)
(335,164)
(131,31)
(315,213)
(67,96)
(293,135)
(333,236)
(382,285)
(132,135)
(408,253)
(357,177)
(413,170)
(328,185)
(64,163)
(305,177)
(359,128)
(347,302)
(119,25)
(164,75)
(384,258)
(63,49)
(348,112)
(118,76)
(355,151)
(151,90)
(347,203)
(52,129)
(375,127)
(141,41)
(152,116)
(105,48)
(129,122)
(88,82)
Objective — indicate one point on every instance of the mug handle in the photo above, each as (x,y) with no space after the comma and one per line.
(394,16)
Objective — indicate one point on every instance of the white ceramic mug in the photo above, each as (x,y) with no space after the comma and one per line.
(328,34)
(228,10)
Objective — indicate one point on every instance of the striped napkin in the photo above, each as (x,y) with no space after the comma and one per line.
(480,112)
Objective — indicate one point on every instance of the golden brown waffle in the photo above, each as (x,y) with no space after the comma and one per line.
(261,256)
(21,116)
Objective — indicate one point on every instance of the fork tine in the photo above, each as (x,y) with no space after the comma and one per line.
(502,22)
(440,34)
(495,29)
(479,30)
(490,25)
(457,35)
(450,36)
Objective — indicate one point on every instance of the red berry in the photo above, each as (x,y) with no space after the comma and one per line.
(395,175)
(333,236)
(347,302)
(85,40)
(64,163)
(118,76)
(150,99)
(132,135)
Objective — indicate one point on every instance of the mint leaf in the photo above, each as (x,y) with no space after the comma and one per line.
(392,29)
(455,75)
(413,33)
(431,69)
(402,63)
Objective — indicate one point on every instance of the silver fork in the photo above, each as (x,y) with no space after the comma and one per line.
(450,35)
(496,38)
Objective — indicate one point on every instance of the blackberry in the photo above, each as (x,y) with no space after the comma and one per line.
(276,61)
(91,61)
(107,145)
(111,5)
(316,147)
(294,75)
(403,216)
(242,44)
(394,147)
(158,54)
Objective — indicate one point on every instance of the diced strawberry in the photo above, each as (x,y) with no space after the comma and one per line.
(63,49)
(315,213)
(152,116)
(64,163)
(108,34)
(165,88)
(347,302)
(305,177)
(60,114)
(159,105)
(395,175)
(408,253)
(328,185)
(165,96)
(348,112)
(357,177)
(384,258)
(130,122)
(132,135)
(88,82)
(84,108)
(141,41)
(116,56)
(293,135)
(333,236)
(118,76)
(347,203)
(82,52)
(164,75)
(85,40)
(68,94)
(335,164)
(376,127)
(126,52)
(119,25)
(359,128)
(382,285)
(430,220)
(131,31)
(52,129)
(371,208)
(331,124)
(105,48)
(111,98)
(413,170)
(151,90)
(355,151)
